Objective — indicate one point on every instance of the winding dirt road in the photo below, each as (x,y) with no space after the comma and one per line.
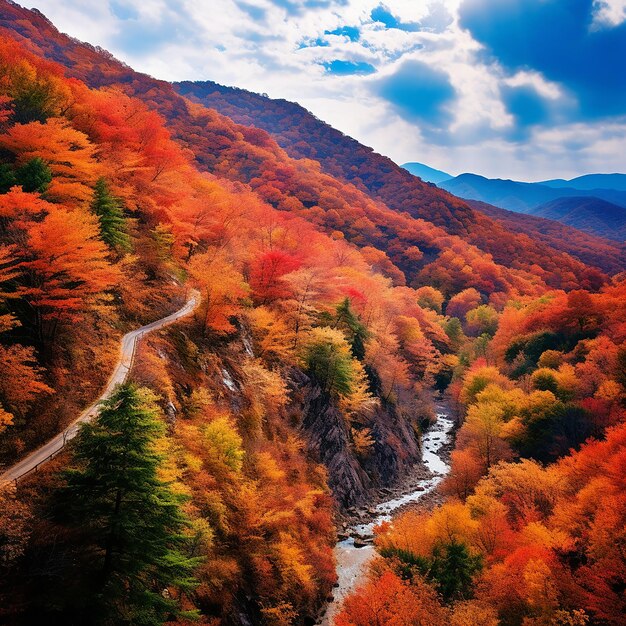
(120,372)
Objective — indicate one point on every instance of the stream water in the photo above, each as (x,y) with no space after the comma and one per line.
(352,560)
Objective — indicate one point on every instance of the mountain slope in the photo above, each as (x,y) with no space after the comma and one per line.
(521,197)
(218,233)
(589,182)
(355,193)
(302,382)
(246,385)
(427,173)
(302,135)
(592,215)
(593,250)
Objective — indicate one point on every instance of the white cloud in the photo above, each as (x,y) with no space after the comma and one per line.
(609,13)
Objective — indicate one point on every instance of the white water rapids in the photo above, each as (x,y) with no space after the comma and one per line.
(351,561)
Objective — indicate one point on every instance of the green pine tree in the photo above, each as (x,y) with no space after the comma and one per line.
(453,569)
(131,521)
(453,328)
(330,364)
(34,175)
(7,177)
(113,227)
(356,331)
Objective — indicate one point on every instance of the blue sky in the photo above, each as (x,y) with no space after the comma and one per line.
(525,89)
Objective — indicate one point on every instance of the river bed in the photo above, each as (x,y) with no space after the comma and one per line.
(352,560)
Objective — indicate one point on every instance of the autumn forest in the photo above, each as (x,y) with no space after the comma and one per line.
(327,306)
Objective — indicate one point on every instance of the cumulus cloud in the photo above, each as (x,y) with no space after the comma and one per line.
(557,39)
(609,13)
(527,88)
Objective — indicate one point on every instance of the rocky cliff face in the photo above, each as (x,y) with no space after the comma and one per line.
(220,368)
(351,476)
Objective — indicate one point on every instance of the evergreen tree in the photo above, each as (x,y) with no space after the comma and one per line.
(356,331)
(452,327)
(112,221)
(7,177)
(328,361)
(131,520)
(34,175)
(453,569)
(33,100)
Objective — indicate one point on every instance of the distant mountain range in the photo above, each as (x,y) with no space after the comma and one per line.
(590,181)
(592,215)
(522,197)
(593,203)
(426,173)
(592,249)
(598,211)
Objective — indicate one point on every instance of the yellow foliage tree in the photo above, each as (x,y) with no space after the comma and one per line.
(223,288)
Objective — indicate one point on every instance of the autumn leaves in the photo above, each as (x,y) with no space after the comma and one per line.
(518,541)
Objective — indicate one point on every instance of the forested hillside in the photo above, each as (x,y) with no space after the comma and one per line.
(594,250)
(304,136)
(350,204)
(337,295)
(591,215)
(298,344)
(533,529)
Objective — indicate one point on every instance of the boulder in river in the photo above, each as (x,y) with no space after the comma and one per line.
(360,542)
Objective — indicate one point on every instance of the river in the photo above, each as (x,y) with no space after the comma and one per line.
(352,560)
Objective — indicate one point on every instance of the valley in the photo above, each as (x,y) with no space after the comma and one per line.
(320,387)
(352,554)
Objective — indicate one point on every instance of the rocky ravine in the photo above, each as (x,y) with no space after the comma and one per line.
(355,547)
(354,479)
